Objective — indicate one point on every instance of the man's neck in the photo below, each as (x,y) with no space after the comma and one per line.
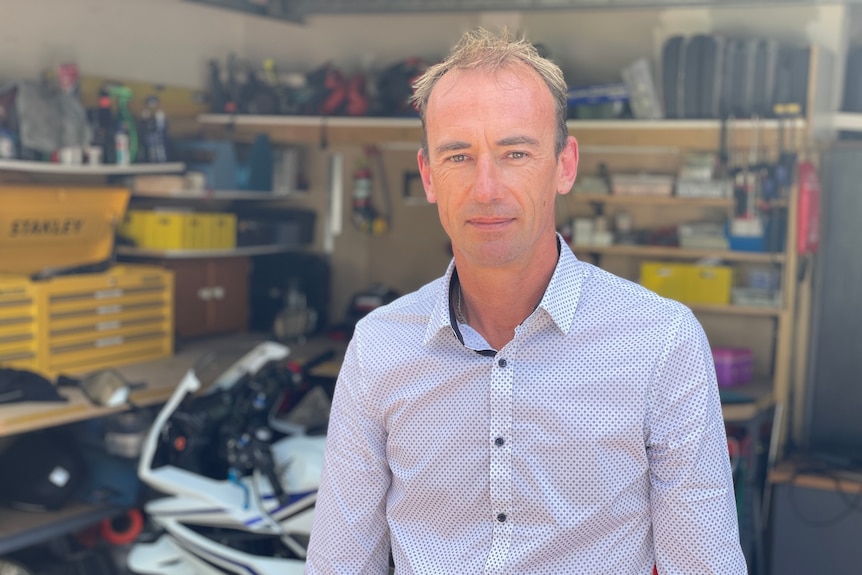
(494,301)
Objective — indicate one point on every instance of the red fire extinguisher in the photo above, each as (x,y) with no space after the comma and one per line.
(808,218)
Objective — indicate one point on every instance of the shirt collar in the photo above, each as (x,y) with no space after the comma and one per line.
(442,315)
(559,301)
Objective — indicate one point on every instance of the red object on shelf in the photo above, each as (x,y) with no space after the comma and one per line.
(808,219)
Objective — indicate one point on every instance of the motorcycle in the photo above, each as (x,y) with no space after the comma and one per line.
(240,467)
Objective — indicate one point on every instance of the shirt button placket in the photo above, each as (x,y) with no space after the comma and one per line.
(501,397)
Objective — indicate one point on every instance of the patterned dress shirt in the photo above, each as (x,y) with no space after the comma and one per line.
(592,443)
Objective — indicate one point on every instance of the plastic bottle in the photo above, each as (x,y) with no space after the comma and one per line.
(121,145)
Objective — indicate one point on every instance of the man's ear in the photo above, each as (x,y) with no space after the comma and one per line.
(425,172)
(568,166)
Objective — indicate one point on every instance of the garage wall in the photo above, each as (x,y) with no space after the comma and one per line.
(170,41)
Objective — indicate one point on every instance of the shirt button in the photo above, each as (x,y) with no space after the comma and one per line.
(501,517)
(502,362)
(499,442)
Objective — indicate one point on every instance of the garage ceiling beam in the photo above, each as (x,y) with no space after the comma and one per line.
(277,9)
(396,6)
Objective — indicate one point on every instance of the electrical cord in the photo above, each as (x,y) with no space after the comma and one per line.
(852,503)
(285,537)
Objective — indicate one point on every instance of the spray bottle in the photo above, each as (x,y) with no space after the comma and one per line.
(126,135)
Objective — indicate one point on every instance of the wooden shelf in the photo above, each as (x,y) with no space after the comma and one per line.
(736,310)
(86,170)
(679,253)
(226,195)
(760,393)
(320,129)
(160,377)
(654,200)
(846,122)
(20,529)
(134,252)
(679,134)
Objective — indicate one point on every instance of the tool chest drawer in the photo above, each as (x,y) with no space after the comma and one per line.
(18,324)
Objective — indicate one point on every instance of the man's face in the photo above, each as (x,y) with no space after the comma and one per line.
(491,166)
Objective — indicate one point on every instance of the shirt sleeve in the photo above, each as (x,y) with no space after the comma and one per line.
(350,534)
(695,527)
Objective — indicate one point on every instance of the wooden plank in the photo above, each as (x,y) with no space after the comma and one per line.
(801,475)
(20,529)
(160,376)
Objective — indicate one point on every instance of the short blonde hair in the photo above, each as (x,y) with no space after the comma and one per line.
(483,50)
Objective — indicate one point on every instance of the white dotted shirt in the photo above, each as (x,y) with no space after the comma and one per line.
(592,443)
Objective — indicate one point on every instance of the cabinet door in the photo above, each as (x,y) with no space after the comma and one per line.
(229,286)
(191,299)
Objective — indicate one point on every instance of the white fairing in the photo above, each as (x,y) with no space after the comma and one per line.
(195,500)
(300,461)
(181,551)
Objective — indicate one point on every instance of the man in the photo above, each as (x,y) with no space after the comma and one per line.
(527,412)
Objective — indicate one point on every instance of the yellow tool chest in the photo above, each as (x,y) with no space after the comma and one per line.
(88,322)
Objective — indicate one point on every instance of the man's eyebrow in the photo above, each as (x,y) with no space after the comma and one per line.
(451,147)
(518,141)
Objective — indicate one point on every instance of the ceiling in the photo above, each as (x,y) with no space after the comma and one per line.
(297,10)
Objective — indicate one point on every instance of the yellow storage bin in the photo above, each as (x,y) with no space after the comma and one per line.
(171,230)
(18,324)
(689,283)
(665,279)
(202,234)
(709,284)
(50,227)
(224,231)
(134,226)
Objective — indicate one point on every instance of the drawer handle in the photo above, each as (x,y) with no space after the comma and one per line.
(106,309)
(218,292)
(205,293)
(109,341)
(105,294)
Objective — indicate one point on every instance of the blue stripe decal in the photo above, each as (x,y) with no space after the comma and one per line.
(194,549)
(294,497)
(188,512)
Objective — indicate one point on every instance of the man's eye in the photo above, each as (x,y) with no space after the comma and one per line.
(518,155)
(458,158)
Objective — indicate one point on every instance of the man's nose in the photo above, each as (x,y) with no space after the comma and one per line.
(486,185)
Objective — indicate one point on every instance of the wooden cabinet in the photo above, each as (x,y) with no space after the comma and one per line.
(211,295)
